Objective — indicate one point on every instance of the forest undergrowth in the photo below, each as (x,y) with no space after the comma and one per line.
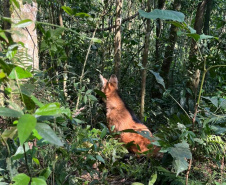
(53,127)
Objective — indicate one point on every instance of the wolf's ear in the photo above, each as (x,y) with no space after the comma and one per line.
(103,80)
(114,80)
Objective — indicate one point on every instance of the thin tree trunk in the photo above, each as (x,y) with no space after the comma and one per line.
(170,48)
(65,74)
(158,30)
(6,13)
(29,38)
(144,62)
(129,13)
(207,17)
(198,27)
(117,41)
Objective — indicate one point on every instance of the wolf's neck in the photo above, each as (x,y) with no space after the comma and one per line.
(114,102)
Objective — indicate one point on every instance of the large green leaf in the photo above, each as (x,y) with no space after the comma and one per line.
(23,23)
(214,100)
(46,173)
(6,67)
(203,36)
(163,14)
(100,158)
(36,101)
(25,126)
(195,36)
(9,112)
(96,40)
(38,181)
(48,134)
(21,179)
(49,109)
(222,103)
(3,35)
(153,179)
(56,32)
(180,152)
(158,78)
(19,73)
(68,10)
(16,3)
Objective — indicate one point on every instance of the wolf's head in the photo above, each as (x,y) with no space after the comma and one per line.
(109,86)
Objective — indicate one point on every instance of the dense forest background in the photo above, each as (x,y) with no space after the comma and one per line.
(169,57)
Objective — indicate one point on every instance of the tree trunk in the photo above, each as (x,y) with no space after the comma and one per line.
(207,17)
(28,35)
(65,73)
(129,13)
(117,41)
(6,13)
(170,48)
(161,4)
(198,27)
(144,62)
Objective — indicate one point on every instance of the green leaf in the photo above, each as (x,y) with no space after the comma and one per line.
(137,183)
(82,14)
(36,134)
(21,179)
(223,103)
(203,36)
(153,179)
(36,101)
(57,32)
(15,106)
(49,109)
(218,130)
(38,181)
(158,78)
(85,99)
(36,161)
(192,30)
(214,100)
(163,14)
(16,3)
(100,93)
(96,40)
(11,52)
(3,35)
(66,111)
(20,152)
(103,133)
(6,67)
(46,173)
(180,165)
(23,23)
(2,74)
(48,134)
(9,133)
(180,152)
(25,125)
(92,98)
(68,10)
(9,112)
(100,158)
(195,36)
(19,73)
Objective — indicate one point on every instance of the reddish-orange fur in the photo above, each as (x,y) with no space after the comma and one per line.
(119,117)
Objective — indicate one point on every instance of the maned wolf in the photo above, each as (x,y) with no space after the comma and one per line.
(120,118)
